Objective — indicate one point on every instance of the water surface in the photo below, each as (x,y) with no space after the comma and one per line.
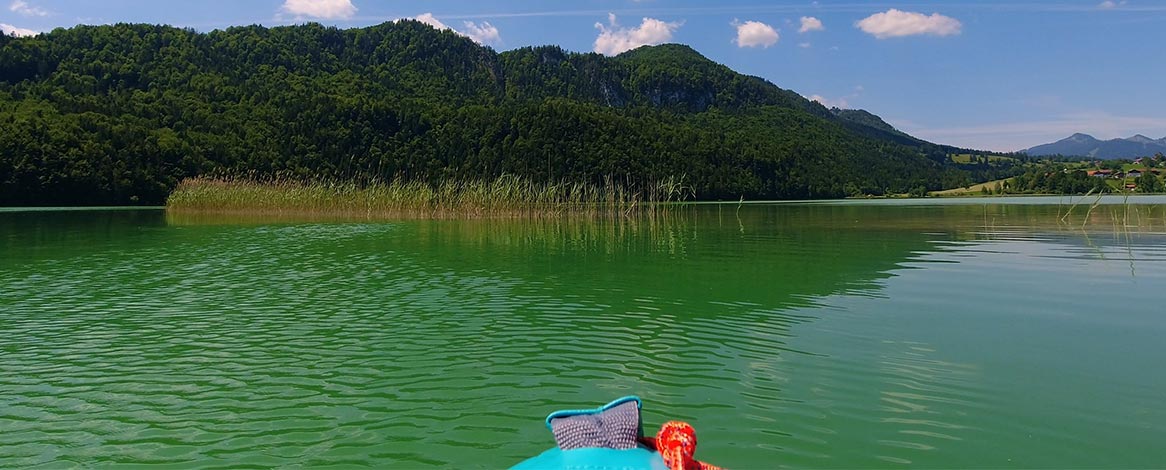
(853,334)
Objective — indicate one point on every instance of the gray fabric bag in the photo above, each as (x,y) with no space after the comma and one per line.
(617,427)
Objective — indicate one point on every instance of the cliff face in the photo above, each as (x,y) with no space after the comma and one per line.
(669,76)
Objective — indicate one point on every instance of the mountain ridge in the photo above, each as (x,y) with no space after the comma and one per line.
(1085,145)
(120,113)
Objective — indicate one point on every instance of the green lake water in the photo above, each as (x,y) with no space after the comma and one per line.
(935,334)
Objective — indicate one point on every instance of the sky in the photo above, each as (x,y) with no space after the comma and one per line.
(990,75)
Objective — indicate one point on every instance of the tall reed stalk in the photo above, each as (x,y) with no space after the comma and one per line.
(505,196)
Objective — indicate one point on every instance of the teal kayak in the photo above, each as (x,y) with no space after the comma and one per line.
(595,458)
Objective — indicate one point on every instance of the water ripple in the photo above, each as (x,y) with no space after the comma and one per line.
(443,344)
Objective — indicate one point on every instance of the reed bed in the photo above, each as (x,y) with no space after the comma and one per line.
(505,196)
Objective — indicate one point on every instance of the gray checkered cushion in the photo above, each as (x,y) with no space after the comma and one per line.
(614,428)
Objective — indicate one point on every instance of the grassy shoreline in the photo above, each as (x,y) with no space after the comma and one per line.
(505,196)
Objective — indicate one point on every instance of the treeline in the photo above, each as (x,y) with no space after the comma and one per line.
(1056,180)
(120,114)
(1079,182)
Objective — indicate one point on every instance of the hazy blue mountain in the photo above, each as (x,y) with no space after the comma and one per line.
(1087,146)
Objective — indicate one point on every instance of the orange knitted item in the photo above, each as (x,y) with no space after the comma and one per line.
(676,443)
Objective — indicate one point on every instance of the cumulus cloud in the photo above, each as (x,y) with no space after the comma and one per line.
(754,34)
(23,8)
(325,9)
(613,39)
(481,33)
(14,31)
(895,23)
(810,23)
(829,103)
(840,102)
(484,33)
(1110,4)
(431,20)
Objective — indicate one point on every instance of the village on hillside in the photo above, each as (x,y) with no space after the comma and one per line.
(1063,175)
(1129,174)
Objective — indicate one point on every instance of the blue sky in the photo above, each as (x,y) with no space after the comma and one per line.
(984,74)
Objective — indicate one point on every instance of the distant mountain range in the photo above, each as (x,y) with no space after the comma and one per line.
(1087,146)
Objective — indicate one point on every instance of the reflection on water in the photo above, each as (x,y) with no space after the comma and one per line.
(807,335)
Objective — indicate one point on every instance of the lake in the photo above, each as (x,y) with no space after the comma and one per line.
(895,333)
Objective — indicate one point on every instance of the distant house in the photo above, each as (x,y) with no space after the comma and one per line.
(1134,173)
(1138,161)
(1131,186)
(1100,173)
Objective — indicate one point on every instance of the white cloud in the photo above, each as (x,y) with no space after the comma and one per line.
(484,33)
(841,102)
(1110,4)
(805,45)
(829,103)
(14,31)
(613,39)
(481,33)
(755,33)
(22,7)
(325,9)
(895,23)
(431,20)
(810,23)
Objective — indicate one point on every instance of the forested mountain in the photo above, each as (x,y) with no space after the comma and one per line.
(119,114)
(1085,145)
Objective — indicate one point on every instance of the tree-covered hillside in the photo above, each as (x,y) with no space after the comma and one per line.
(119,114)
